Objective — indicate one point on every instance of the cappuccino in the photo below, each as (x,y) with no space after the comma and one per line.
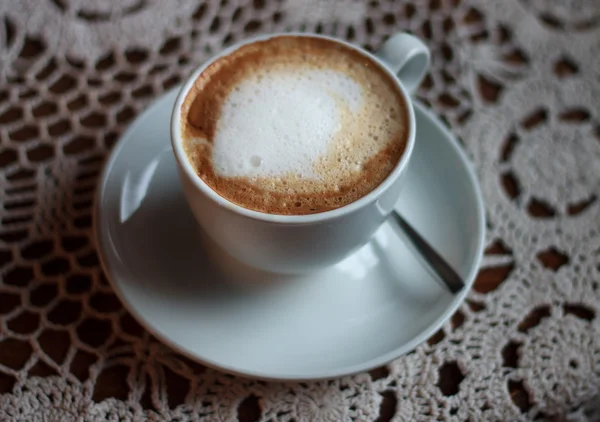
(294,125)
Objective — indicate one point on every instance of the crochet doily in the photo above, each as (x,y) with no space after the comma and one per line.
(517,80)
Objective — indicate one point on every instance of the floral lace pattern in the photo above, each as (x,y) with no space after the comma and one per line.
(517,80)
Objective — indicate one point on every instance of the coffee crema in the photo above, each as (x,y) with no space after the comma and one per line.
(294,125)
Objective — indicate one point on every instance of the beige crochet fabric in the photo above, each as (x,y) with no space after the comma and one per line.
(517,80)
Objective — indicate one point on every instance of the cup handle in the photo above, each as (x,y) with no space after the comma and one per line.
(407,57)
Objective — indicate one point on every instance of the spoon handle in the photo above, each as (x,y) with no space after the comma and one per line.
(434,261)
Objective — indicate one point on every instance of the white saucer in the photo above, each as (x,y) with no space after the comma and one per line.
(369,309)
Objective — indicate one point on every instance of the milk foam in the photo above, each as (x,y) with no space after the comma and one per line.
(281,122)
(294,125)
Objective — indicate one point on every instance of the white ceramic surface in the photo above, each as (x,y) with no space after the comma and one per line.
(304,243)
(374,306)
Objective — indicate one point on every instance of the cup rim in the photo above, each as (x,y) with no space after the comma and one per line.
(372,196)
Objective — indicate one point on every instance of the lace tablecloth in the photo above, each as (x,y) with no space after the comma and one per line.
(517,80)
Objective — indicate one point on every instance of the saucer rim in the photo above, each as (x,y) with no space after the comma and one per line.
(105,244)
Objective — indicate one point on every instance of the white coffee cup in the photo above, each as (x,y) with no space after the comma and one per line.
(302,243)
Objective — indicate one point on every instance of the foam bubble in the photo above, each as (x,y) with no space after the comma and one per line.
(289,121)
